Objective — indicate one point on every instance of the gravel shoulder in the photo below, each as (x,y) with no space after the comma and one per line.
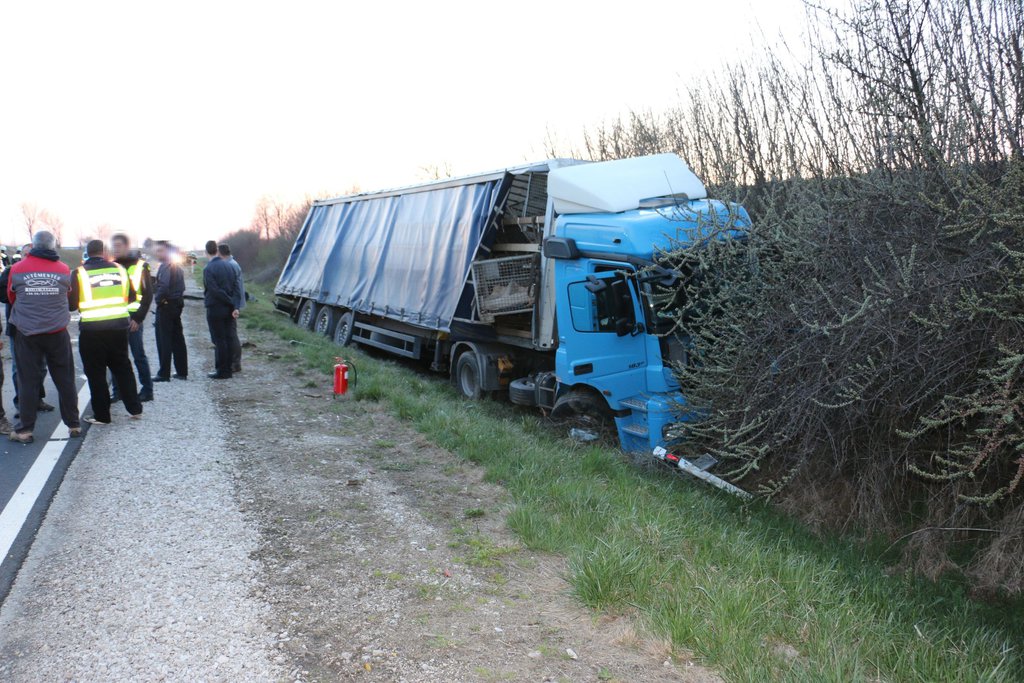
(142,569)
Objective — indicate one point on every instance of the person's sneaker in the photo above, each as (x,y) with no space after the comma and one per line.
(5,426)
(136,416)
(74,432)
(158,378)
(93,421)
(180,376)
(146,396)
(237,368)
(45,407)
(21,437)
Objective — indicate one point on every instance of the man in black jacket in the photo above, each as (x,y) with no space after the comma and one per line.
(169,295)
(221,295)
(138,273)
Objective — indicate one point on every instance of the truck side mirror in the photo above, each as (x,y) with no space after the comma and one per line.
(561,248)
(662,276)
(596,284)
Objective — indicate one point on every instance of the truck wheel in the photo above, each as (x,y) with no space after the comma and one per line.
(344,328)
(326,321)
(467,376)
(307,315)
(584,414)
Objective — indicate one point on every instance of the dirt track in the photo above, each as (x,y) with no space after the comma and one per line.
(386,558)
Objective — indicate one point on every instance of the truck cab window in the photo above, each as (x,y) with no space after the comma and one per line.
(609,309)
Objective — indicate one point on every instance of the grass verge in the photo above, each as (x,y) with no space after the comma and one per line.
(742,588)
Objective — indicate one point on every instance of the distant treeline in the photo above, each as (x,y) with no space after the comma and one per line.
(262,247)
(860,359)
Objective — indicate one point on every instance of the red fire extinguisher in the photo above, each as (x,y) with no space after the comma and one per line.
(341,370)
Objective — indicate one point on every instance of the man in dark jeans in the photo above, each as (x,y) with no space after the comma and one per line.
(224,251)
(44,407)
(104,291)
(39,289)
(138,272)
(169,295)
(221,296)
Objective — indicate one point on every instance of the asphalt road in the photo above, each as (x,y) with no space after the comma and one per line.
(30,474)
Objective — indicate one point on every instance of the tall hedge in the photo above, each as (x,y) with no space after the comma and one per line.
(859,357)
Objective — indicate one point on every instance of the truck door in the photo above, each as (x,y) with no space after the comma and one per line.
(600,333)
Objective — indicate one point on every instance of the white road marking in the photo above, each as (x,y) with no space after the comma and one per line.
(60,433)
(18,508)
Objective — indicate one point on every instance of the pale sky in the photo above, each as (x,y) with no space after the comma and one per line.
(171,119)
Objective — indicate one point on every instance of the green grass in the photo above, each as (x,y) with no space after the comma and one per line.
(736,585)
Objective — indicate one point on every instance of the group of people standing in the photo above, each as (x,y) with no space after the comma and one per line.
(6,260)
(114,292)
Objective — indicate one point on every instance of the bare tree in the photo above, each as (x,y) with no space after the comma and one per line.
(31,214)
(440,171)
(53,223)
(266,218)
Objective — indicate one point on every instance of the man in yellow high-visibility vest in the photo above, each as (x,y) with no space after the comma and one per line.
(103,292)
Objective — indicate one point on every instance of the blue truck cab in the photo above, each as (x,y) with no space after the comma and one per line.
(610,337)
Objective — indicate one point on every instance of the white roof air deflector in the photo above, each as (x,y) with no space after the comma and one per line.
(621,185)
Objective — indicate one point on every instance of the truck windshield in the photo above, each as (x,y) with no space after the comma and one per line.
(663,306)
(672,310)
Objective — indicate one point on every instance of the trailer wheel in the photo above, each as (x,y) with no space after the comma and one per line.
(307,315)
(467,376)
(326,321)
(584,414)
(344,328)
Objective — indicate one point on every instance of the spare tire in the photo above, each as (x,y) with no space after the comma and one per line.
(523,391)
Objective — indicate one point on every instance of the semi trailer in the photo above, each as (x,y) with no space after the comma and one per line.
(534,281)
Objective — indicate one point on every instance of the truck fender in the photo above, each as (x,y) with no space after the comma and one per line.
(487,356)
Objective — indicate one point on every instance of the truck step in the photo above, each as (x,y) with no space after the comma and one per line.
(636,430)
(635,404)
